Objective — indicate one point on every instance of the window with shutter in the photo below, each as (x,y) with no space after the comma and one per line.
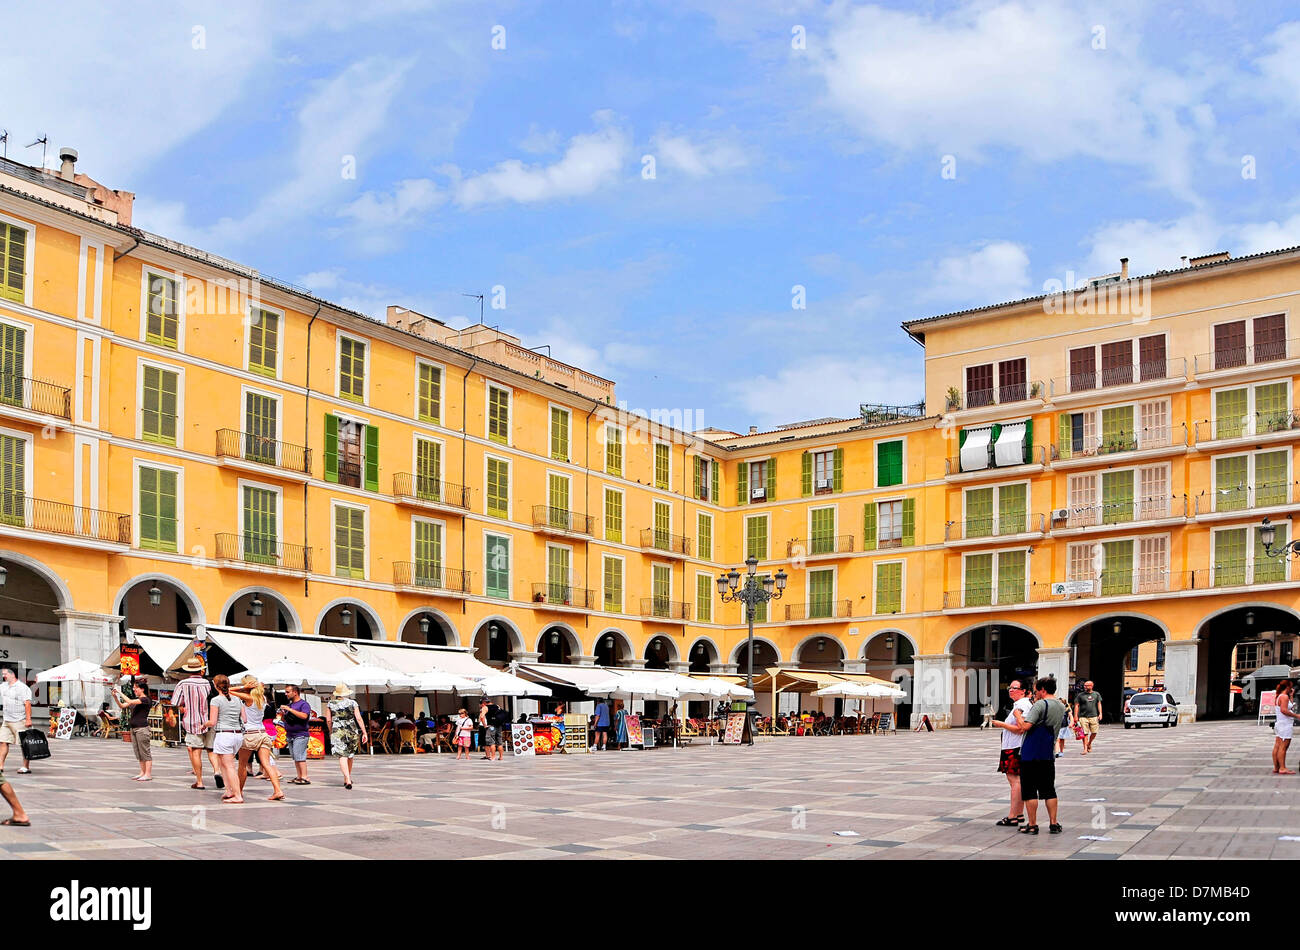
(1265,569)
(1269,336)
(1013,515)
(869,526)
(979,385)
(158,509)
(703,598)
(496,566)
(1083,368)
(977,586)
(1272,414)
(661,586)
(13,480)
(888,523)
(1153,424)
(889,587)
(823,472)
(889,464)
(428,553)
(498,415)
(979,513)
(558,583)
(1011,577)
(557,494)
(663,461)
(260,525)
(559,434)
(162,311)
(1230,413)
(13,362)
(613,515)
(1231,474)
(260,424)
(430,396)
(663,518)
(1230,344)
(263,341)
(822,537)
(1117,575)
(909,522)
(159,392)
(1079,565)
(613,573)
(498,488)
(1012,381)
(1270,478)
(1117,430)
(349,542)
(13,262)
(1117,363)
(821,587)
(1117,497)
(713,481)
(428,470)
(757,481)
(614,450)
(1153,565)
(704,536)
(1230,557)
(1152,360)
(352,369)
(756,537)
(1153,492)
(1083,501)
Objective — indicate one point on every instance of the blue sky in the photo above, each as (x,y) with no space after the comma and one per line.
(1078,133)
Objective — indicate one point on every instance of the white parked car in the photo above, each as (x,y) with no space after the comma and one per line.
(1143,709)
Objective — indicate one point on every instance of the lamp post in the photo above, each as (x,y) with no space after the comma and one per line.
(1268,534)
(751,594)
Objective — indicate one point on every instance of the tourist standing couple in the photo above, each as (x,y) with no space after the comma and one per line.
(1028,756)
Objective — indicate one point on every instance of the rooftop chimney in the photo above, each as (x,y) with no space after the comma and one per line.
(1123,268)
(68,168)
(753,430)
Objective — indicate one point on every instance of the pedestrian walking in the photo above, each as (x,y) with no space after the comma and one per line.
(1065,731)
(463,729)
(1037,761)
(989,711)
(191,698)
(489,715)
(1009,757)
(226,719)
(1283,727)
(19,816)
(503,729)
(16,700)
(601,727)
(297,715)
(347,731)
(257,741)
(485,743)
(1087,712)
(138,722)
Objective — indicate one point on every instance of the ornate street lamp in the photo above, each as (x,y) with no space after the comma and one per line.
(255,606)
(1268,534)
(751,594)
(155,595)
(345,617)
(4,576)
(424,625)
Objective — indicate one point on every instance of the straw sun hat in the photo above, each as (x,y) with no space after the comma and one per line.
(342,690)
(193,665)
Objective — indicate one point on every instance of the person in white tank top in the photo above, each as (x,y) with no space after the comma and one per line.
(1283,727)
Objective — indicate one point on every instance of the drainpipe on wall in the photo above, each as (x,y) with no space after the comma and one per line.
(306,438)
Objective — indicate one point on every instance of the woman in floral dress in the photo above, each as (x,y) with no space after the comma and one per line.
(347,731)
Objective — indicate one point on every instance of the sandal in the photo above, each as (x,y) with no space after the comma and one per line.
(24,771)
(15,821)
(1010,822)
(1029,830)
(1054,829)
(276,798)
(198,786)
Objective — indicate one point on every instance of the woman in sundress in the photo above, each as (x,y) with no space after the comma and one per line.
(620,724)
(347,730)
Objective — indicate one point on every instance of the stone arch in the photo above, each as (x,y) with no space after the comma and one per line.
(444,622)
(671,653)
(796,653)
(735,651)
(885,631)
(61,592)
(372,617)
(1121,614)
(623,645)
(712,654)
(295,624)
(483,646)
(1246,605)
(569,646)
(947,647)
(193,603)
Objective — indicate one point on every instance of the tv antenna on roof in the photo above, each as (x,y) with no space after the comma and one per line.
(480,304)
(4,142)
(43,142)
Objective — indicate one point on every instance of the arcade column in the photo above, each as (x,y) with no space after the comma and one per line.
(1180,675)
(932,689)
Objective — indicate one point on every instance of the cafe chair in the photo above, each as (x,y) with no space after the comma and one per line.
(405,738)
(108,726)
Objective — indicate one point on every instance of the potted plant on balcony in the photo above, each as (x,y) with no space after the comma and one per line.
(954,398)
(539,597)
(1035,390)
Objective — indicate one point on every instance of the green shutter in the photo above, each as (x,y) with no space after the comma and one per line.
(889,464)
(349,542)
(1270,570)
(1229,413)
(978,580)
(1064,435)
(498,488)
(158,509)
(909,522)
(1230,492)
(889,588)
(695,476)
(430,401)
(713,473)
(821,588)
(13,258)
(428,554)
(613,585)
(428,469)
(822,539)
(331,448)
(756,537)
(662,464)
(805,485)
(13,479)
(869,526)
(1270,478)
(979,513)
(613,516)
(498,415)
(1011,577)
(704,529)
(837,471)
(13,345)
(263,341)
(1117,574)
(1012,504)
(1271,410)
(158,420)
(1230,557)
(1117,433)
(703,598)
(742,482)
(497,566)
(372,458)
(259,525)
(1029,441)
(771,479)
(1117,497)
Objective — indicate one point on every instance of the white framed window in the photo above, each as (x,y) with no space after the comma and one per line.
(17,255)
(158,493)
(162,308)
(350,534)
(264,339)
(352,363)
(498,410)
(160,396)
(430,391)
(889,586)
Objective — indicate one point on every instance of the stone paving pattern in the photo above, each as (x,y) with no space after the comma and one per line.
(1194,791)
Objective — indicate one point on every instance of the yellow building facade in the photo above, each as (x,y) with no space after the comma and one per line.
(185,445)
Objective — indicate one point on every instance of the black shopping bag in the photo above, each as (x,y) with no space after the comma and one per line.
(35,745)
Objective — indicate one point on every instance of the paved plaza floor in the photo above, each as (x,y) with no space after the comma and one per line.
(1195,791)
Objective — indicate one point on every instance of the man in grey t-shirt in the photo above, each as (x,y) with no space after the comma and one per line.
(1087,712)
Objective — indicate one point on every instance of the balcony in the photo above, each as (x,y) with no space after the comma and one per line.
(33,396)
(265,456)
(1259,427)
(82,525)
(673,545)
(1262,571)
(661,608)
(563,597)
(1243,358)
(954,471)
(820,547)
(1007,527)
(1151,373)
(1137,582)
(1256,500)
(1138,512)
(819,610)
(433,578)
(1144,443)
(263,553)
(423,491)
(561,521)
(996,396)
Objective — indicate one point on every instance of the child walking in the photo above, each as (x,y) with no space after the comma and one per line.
(464,729)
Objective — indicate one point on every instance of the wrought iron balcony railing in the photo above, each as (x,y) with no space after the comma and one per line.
(561,519)
(35,395)
(265,551)
(1159,437)
(54,517)
(1123,512)
(1244,497)
(1134,582)
(1232,357)
(819,610)
(232,443)
(1037,455)
(819,544)
(563,595)
(1258,423)
(1007,523)
(431,577)
(663,541)
(433,490)
(996,395)
(661,608)
(1148,371)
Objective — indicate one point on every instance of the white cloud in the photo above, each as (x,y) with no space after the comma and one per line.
(997,270)
(379,218)
(1151,245)
(827,386)
(1280,67)
(677,152)
(591,162)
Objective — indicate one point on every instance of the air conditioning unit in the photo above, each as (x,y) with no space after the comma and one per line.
(1060,514)
(759,493)
(823,483)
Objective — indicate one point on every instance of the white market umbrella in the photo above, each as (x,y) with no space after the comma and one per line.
(436,681)
(75,671)
(632,686)
(722,689)
(503,684)
(284,672)
(368,677)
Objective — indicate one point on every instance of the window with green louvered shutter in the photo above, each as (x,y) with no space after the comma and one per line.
(613,515)
(1230,557)
(158,507)
(331,448)
(1269,570)
(372,458)
(742,483)
(1117,432)
(430,399)
(1271,409)
(1012,505)
(770,465)
(1117,497)
(1230,413)
(498,488)
(162,311)
(13,480)
(889,588)
(806,474)
(661,586)
(614,451)
(428,470)
(837,471)
(1230,490)
(496,566)
(428,554)
(663,517)
(760,610)
(349,542)
(821,539)
(704,536)
(13,355)
(909,523)
(756,537)
(498,415)
(713,476)
(978,580)
(613,584)
(263,341)
(979,513)
(260,414)
(889,464)
(663,461)
(559,434)
(159,406)
(697,484)
(1011,577)
(869,526)
(557,501)
(13,262)
(261,531)
(1271,478)
(1117,569)
(703,598)
(821,593)
(352,369)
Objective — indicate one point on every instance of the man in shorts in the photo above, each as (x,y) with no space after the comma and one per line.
(1087,712)
(1038,755)
(601,726)
(1009,759)
(491,734)
(191,698)
(16,700)
(297,716)
(19,817)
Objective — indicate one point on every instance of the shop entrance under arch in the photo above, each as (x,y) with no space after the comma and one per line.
(984,660)
(890,655)
(29,630)
(1102,651)
(259,610)
(1221,638)
(157,603)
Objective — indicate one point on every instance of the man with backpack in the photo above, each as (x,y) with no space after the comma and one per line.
(1038,755)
